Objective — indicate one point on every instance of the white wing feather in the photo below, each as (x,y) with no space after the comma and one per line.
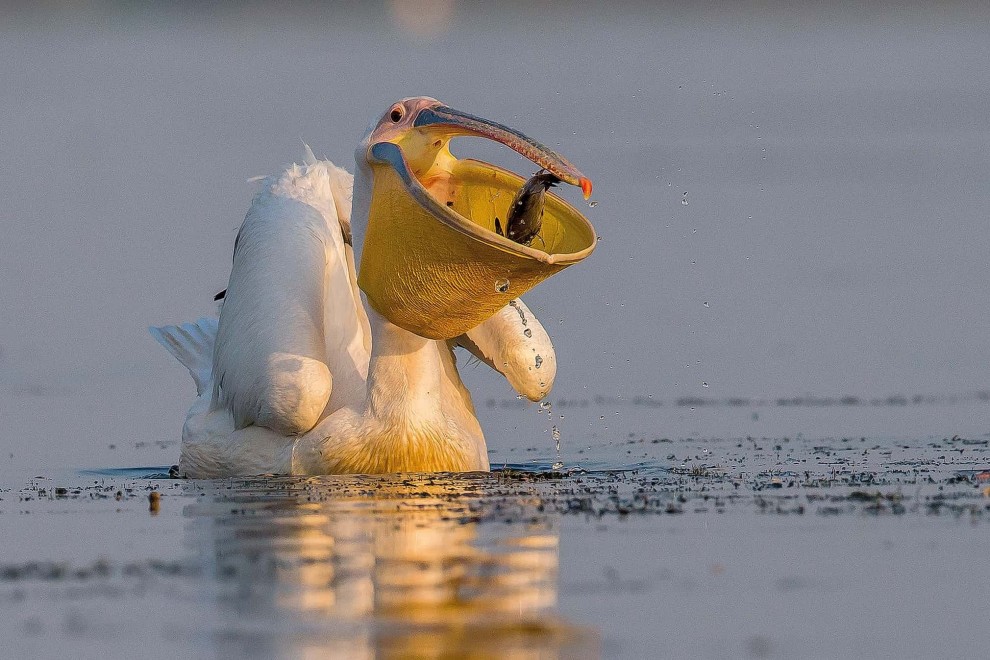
(290,316)
(192,345)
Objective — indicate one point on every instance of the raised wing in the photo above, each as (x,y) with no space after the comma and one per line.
(293,339)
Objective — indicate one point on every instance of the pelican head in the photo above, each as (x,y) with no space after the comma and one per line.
(431,261)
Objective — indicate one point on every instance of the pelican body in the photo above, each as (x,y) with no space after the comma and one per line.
(301,374)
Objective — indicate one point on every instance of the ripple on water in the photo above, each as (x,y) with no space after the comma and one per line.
(438,561)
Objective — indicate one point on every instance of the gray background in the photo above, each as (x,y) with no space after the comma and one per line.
(833,159)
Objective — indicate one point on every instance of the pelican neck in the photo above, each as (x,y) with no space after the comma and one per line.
(404,375)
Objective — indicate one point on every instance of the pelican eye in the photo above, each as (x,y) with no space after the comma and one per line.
(395,115)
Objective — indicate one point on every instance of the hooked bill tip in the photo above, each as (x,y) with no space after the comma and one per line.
(586,187)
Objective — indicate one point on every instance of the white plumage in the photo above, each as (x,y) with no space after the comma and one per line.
(298,378)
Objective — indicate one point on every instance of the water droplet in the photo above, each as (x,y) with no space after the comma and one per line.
(545,405)
(703,384)
(558,465)
(501,286)
(602,417)
(529,333)
(706,304)
(684,201)
(539,361)
(593,203)
(598,239)
(555,434)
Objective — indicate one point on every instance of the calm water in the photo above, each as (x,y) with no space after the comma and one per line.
(843,547)
(814,313)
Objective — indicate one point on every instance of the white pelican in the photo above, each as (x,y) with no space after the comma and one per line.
(299,376)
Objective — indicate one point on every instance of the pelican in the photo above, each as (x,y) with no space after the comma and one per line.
(317,367)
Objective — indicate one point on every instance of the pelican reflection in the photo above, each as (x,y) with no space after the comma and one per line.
(381,566)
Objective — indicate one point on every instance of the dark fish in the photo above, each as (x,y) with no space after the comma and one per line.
(526,211)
